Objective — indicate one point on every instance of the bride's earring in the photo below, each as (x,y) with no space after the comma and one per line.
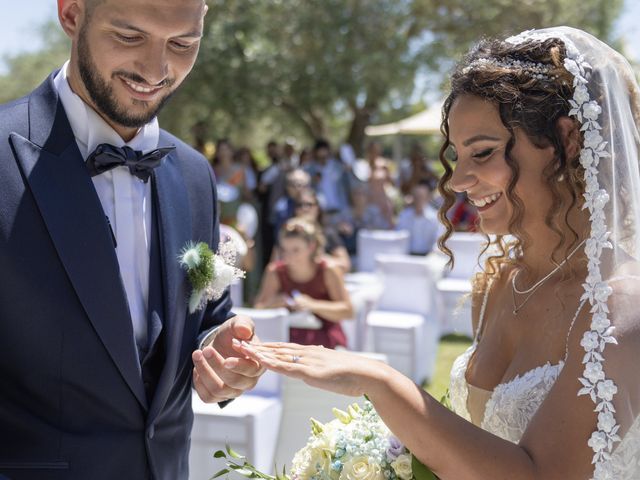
(560,178)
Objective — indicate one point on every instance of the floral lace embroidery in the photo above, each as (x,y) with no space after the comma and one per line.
(513,404)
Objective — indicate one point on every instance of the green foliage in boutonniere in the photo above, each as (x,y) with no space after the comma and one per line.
(198,261)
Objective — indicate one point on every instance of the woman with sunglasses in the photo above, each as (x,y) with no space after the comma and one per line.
(335,251)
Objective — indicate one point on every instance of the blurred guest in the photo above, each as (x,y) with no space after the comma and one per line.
(304,158)
(421,220)
(271,183)
(308,207)
(328,178)
(382,191)
(201,140)
(304,281)
(463,215)
(296,181)
(361,215)
(414,169)
(244,158)
(230,180)
(270,188)
(289,156)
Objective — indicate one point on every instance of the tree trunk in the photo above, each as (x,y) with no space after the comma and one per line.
(312,123)
(361,119)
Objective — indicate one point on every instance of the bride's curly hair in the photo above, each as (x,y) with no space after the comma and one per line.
(532,102)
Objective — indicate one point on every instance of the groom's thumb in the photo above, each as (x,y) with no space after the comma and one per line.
(243,328)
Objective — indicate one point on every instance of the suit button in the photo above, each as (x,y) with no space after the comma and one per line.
(151,431)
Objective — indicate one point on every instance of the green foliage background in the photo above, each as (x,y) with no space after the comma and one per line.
(309,68)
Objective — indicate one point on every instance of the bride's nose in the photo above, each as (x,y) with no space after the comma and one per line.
(463,178)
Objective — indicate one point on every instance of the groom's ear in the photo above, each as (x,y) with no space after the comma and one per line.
(70,13)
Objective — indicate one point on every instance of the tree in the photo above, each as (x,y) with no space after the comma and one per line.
(327,67)
(28,70)
(315,61)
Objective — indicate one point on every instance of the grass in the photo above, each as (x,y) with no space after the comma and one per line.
(450,347)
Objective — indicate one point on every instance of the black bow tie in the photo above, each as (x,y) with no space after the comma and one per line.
(105,157)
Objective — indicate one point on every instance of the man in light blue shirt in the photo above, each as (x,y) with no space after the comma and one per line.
(421,220)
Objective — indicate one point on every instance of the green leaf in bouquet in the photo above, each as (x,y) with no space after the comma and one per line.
(282,476)
(224,471)
(446,400)
(234,454)
(420,472)
(240,465)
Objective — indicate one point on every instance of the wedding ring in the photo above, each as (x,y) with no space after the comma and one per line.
(295,358)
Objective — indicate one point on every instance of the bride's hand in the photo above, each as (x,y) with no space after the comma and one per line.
(333,370)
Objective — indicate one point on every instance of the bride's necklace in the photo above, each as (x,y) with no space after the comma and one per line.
(531,290)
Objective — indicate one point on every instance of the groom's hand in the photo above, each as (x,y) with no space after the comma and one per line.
(221,372)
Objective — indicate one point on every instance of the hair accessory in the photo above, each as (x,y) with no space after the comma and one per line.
(537,70)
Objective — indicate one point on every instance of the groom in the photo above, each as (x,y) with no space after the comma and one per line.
(97,348)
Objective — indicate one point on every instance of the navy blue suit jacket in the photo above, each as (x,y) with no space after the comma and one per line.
(72,400)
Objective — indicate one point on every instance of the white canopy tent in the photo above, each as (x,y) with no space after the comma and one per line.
(423,123)
(426,122)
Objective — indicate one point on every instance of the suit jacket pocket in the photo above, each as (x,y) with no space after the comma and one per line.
(33,466)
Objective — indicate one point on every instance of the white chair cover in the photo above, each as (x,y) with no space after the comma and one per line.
(455,288)
(405,323)
(272,325)
(372,242)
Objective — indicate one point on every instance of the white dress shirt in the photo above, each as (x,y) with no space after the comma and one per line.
(126,200)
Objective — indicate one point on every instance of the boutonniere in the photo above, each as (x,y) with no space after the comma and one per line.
(210,273)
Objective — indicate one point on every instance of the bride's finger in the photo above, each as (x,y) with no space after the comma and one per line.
(275,351)
(262,355)
(283,345)
(251,351)
(289,364)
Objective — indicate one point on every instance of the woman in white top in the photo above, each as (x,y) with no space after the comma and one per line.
(541,135)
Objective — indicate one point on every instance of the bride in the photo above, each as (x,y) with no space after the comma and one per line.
(541,135)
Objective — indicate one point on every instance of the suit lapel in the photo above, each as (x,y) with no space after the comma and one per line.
(65,195)
(174,224)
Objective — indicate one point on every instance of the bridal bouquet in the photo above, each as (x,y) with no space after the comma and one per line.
(357,445)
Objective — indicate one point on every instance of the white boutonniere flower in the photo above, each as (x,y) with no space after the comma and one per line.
(210,273)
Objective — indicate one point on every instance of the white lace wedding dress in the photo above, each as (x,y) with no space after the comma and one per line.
(512,404)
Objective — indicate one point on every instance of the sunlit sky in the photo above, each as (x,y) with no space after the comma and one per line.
(22,17)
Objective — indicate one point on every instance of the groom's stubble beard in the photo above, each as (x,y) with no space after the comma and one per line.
(101,93)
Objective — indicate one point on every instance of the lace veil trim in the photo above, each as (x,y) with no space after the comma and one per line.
(600,389)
